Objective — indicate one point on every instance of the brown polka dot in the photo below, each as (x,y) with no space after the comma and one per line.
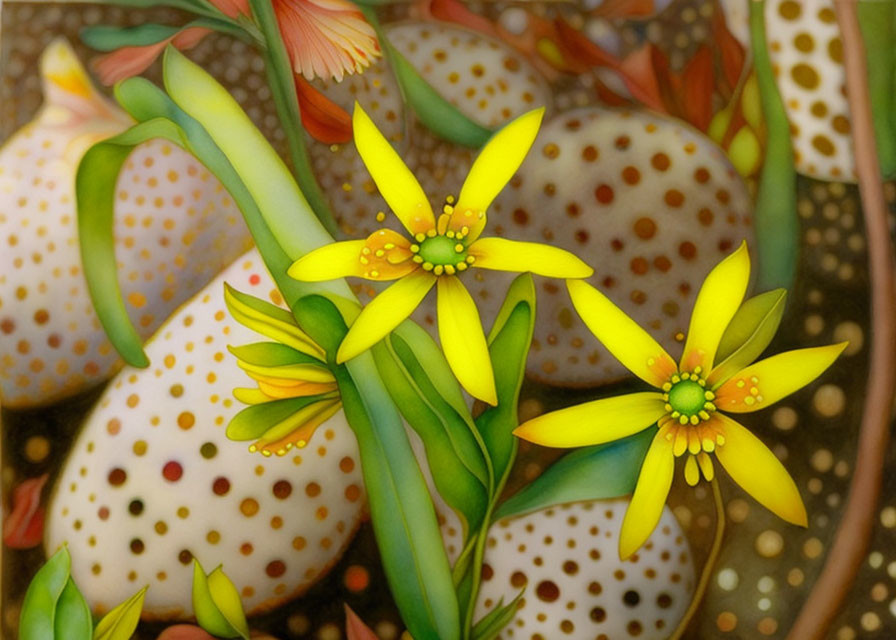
(117,477)
(604,194)
(312,489)
(623,142)
(520,216)
(299,543)
(598,614)
(135,507)
(631,175)
(346,465)
(687,250)
(551,150)
(823,145)
(835,50)
(282,489)
(518,579)
(137,546)
(674,198)
(660,161)
(841,124)
(645,228)
(352,492)
(589,153)
(221,486)
(805,76)
(172,471)
(185,556)
(208,450)
(804,42)
(662,263)
(103,513)
(701,175)
(41,316)
(639,266)
(790,10)
(705,216)
(547,591)
(275,569)
(819,109)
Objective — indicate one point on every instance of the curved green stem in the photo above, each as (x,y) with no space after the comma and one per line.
(708,567)
(280,79)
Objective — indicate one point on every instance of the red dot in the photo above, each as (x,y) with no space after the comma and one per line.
(172,471)
(117,477)
(604,194)
(356,578)
(254,278)
(275,569)
(221,486)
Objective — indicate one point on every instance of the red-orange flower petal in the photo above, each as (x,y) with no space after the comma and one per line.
(24,526)
(322,118)
(131,61)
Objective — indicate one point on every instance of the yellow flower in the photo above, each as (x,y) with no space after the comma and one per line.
(437,251)
(688,402)
(296,391)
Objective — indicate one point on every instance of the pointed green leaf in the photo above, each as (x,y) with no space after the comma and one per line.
(509,342)
(269,320)
(208,616)
(270,354)
(227,599)
(110,38)
(280,415)
(121,622)
(495,620)
(749,333)
(72,620)
(37,619)
(591,473)
(435,112)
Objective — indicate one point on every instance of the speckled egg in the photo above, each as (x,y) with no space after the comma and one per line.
(175,229)
(152,481)
(484,78)
(646,200)
(576,586)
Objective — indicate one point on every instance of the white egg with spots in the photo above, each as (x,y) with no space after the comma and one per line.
(175,229)
(646,200)
(576,586)
(487,80)
(152,481)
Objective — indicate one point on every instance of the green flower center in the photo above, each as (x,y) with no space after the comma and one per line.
(442,250)
(687,397)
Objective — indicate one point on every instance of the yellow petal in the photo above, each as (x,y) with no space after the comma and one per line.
(756,469)
(499,159)
(767,381)
(463,341)
(510,255)
(717,302)
(691,471)
(396,183)
(632,346)
(646,507)
(329,262)
(594,422)
(384,313)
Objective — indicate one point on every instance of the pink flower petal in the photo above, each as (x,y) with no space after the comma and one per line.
(24,527)
(355,629)
(131,61)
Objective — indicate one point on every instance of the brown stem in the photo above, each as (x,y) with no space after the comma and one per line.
(708,566)
(853,536)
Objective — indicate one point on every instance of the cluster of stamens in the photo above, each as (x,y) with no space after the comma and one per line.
(442,250)
(689,406)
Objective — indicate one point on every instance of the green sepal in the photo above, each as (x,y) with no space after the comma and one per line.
(121,622)
(268,320)
(435,112)
(216,604)
(37,620)
(749,333)
(590,473)
(492,623)
(509,341)
(280,415)
(72,620)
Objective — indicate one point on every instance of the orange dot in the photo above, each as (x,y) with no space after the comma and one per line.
(249,507)
(186,420)
(356,578)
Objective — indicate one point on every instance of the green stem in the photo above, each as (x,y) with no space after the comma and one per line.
(280,79)
(708,567)
(776,223)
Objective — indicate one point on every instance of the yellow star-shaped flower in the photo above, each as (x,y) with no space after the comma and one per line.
(436,252)
(689,402)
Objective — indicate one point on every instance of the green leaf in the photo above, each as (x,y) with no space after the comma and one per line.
(72,620)
(227,599)
(325,321)
(109,38)
(590,473)
(270,354)
(749,333)
(37,619)
(878,24)
(435,112)
(509,342)
(455,458)
(121,622)
(206,606)
(283,415)
(495,620)
(401,508)
(268,180)
(269,320)
(775,217)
